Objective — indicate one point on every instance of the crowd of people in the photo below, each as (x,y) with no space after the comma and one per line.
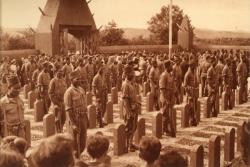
(61,83)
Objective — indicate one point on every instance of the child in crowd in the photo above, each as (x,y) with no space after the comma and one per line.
(149,148)
(97,148)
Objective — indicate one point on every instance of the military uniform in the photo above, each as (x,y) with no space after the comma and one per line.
(114,75)
(192,91)
(84,77)
(166,84)
(130,110)
(203,77)
(99,89)
(67,69)
(90,73)
(75,105)
(57,88)
(227,85)
(177,73)
(242,79)
(212,85)
(43,81)
(154,85)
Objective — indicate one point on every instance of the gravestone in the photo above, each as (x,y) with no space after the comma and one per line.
(240,130)
(146,88)
(114,95)
(48,125)
(185,117)
(157,125)
(27,132)
(120,145)
(197,156)
(89,98)
(224,102)
(206,108)
(26,90)
(32,95)
(140,131)
(214,151)
(39,110)
(109,113)
(238,97)
(121,109)
(198,111)
(232,98)
(229,145)
(92,116)
(149,102)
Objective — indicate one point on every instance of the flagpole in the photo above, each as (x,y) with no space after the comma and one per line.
(170,30)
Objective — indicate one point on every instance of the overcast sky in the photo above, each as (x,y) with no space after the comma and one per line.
(231,15)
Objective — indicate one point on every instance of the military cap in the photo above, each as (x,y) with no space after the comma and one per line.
(12,80)
(167,63)
(74,75)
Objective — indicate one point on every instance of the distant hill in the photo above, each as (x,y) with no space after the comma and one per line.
(199,33)
(130,33)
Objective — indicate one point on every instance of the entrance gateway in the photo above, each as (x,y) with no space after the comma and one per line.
(63,17)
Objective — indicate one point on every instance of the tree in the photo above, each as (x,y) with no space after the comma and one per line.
(159,24)
(111,35)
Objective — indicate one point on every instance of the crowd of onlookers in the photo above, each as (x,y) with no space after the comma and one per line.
(57,151)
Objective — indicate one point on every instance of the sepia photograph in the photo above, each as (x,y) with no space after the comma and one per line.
(124,83)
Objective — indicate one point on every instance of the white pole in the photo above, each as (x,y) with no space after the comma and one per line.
(170,29)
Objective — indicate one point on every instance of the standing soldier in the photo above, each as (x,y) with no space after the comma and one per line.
(90,72)
(120,71)
(76,107)
(242,78)
(219,68)
(67,69)
(100,91)
(212,88)
(143,69)
(227,83)
(43,81)
(177,73)
(203,75)
(114,74)
(57,88)
(106,74)
(130,107)
(166,84)
(154,83)
(83,73)
(192,90)
(12,110)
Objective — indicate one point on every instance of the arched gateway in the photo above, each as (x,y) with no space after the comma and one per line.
(60,17)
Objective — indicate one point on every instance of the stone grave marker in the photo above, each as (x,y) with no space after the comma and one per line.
(229,145)
(109,113)
(121,109)
(27,131)
(157,125)
(185,117)
(48,125)
(238,97)
(214,151)
(92,116)
(120,145)
(39,110)
(206,108)
(140,131)
(240,133)
(89,98)
(32,95)
(149,102)
(224,101)
(197,156)
(114,95)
